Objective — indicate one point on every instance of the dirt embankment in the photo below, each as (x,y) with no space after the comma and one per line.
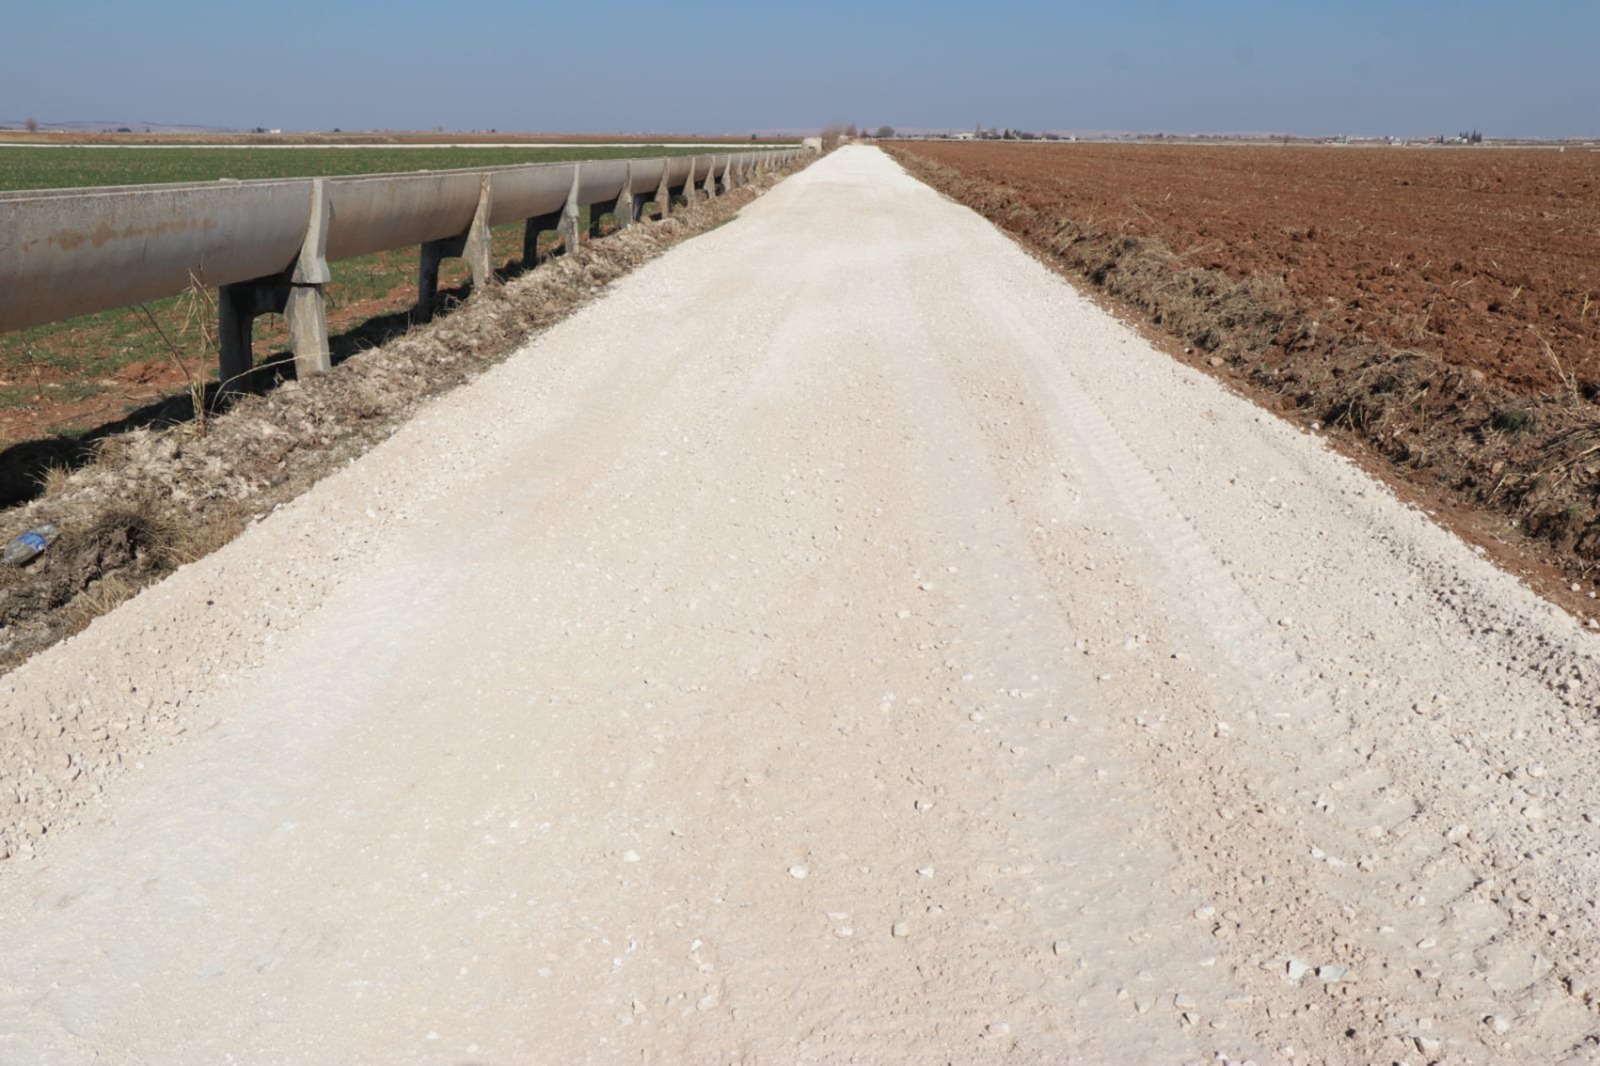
(157,497)
(1430,308)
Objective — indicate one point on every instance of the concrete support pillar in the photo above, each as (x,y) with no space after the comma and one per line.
(621,209)
(474,246)
(238,307)
(305,308)
(531,231)
(305,313)
(711,178)
(433,253)
(570,215)
(478,248)
(297,294)
(625,209)
(688,184)
(664,191)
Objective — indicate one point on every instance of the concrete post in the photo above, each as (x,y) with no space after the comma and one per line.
(711,178)
(305,309)
(688,184)
(305,313)
(238,307)
(570,214)
(478,247)
(433,253)
(620,209)
(297,294)
(475,246)
(664,191)
(623,207)
(531,230)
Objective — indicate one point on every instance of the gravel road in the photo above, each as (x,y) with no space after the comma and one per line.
(843,642)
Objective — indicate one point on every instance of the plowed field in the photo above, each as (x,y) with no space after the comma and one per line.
(1480,256)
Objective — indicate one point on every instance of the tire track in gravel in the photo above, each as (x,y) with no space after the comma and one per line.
(1344,821)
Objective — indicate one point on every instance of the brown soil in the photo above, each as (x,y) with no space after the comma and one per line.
(1479,256)
(163,494)
(1432,308)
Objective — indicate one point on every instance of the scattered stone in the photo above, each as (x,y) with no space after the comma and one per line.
(1498,1023)
(901,929)
(925,871)
(975,716)
(843,932)
(1456,834)
(1331,974)
(1184,1002)
(1428,1045)
(923,805)
(997,1029)
(630,856)
(798,872)
(1536,770)
(1060,948)
(1297,969)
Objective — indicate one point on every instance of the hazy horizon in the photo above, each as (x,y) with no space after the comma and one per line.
(1150,65)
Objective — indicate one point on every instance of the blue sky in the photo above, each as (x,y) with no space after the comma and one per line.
(1408,68)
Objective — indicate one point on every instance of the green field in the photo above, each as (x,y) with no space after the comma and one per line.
(63,378)
(60,168)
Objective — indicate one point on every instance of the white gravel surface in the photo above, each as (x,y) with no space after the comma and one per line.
(841,643)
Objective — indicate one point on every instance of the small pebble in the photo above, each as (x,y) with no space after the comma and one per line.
(798,872)
(1184,1002)
(630,856)
(1499,1023)
(1060,948)
(901,929)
